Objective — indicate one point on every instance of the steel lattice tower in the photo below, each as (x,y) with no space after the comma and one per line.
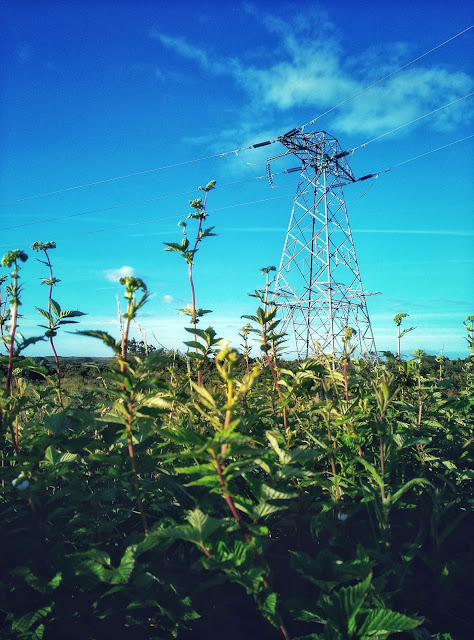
(318,288)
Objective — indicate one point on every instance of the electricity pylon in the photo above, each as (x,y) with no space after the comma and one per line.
(318,288)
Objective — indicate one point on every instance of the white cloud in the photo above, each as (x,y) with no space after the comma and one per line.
(24,51)
(123,272)
(207,61)
(168,299)
(309,68)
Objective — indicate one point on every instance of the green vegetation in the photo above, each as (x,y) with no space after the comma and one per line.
(213,494)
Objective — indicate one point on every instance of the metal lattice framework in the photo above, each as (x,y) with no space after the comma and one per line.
(318,288)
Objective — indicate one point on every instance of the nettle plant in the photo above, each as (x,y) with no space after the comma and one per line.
(55,316)
(187,250)
(327,499)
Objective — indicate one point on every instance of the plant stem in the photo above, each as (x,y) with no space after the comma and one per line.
(243,528)
(131,451)
(13,326)
(238,518)
(51,341)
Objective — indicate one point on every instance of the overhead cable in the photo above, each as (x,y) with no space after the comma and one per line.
(226,153)
(126,204)
(385,78)
(137,224)
(294,169)
(422,155)
(382,135)
(376,174)
(135,174)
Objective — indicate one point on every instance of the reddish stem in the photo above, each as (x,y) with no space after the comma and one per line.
(346,384)
(131,451)
(229,500)
(243,528)
(51,341)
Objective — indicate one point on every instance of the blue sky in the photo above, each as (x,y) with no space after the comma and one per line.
(98,90)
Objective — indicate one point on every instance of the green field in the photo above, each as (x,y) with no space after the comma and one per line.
(213,495)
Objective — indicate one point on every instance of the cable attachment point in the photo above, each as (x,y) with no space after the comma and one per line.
(261,144)
(269,175)
(341,155)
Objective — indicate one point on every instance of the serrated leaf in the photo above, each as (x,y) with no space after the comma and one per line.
(182,435)
(273,494)
(38,633)
(195,345)
(204,393)
(371,469)
(382,622)
(51,455)
(264,509)
(173,246)
(202,523)
(46,315)
(122,573)
(55,307)
(71,314)
(341,607)
(408,485)
(106,338)
(68,457)
(268,608)
(25,623)
(199,332)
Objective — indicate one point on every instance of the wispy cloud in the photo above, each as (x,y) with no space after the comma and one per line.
(122,272)
(310,68)
(24,51)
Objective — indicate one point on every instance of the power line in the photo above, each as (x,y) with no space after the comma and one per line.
(145,222)
(427,153)
(225,153)
(382,135)
(385,78)
(121,206)
(134,224)
(376,174)
(137,173)
(372,175)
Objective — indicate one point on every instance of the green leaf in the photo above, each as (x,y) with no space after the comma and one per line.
(200,527)
(264,509)
(71,314)
(381,622)
(204,393)
(173,246)
(341,607)
(52,455)
(55,307)
(122,573)
(371,469)
(268,608)
(203,524)
(68,457)
(199,332)
(38,633)
(106,338)
(46,315)
(273,494)
(408,485)
(182,435)
(195,345)
(26,343)
(25,623)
